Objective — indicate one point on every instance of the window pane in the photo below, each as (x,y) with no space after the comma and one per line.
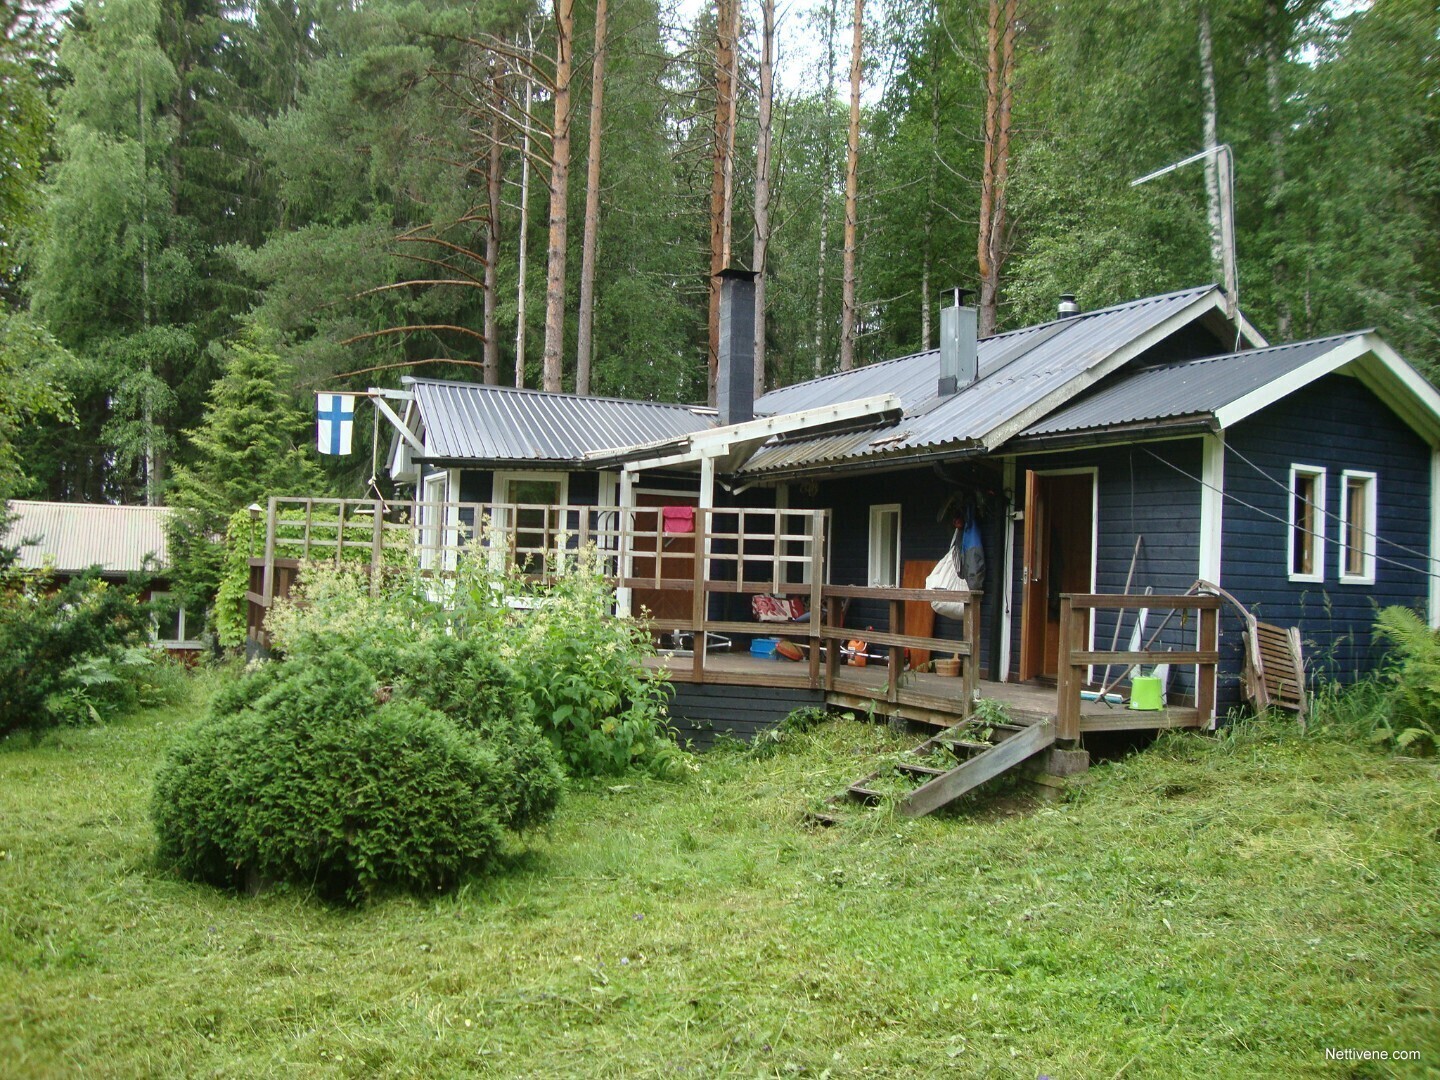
(1303,560)
(1356,525)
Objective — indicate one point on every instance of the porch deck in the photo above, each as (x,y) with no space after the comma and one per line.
(921,696)
(673,572)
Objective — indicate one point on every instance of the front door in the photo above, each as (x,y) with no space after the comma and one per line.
(1059,558)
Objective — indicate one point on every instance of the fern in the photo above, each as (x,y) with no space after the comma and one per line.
(1410,717)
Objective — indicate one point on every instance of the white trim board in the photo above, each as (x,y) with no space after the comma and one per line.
(1212,506)
(1378,367)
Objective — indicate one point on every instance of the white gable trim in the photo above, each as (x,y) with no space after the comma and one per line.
(1212,505)
(1201,306)
(1379,367)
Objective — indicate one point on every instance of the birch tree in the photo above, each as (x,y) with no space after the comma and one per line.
(553,358)
(762,183)
(585,347)
(852,186)
(721,177)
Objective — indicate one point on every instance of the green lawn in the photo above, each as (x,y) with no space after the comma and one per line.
(1207,908)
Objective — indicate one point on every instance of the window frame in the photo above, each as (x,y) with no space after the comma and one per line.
(1368,529)
(1317,535)
(879,513)
(500,481)
(183,641)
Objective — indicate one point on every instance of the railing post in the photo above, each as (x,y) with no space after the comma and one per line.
(972,662)
(1067,683)
(833,619)
(340,534)
(1205,690)
(698,597)
(817,540)
(377,541)
(268,590)
(896,660)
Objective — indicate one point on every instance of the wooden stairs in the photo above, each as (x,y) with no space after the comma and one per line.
(946,766)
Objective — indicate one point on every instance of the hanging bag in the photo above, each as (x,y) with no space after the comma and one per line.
(946,575)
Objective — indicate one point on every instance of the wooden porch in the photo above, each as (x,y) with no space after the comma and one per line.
(674,571)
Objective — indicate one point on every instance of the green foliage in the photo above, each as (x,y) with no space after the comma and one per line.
(248,447)
(31,363)
(1410,719)
(62,649)
(784,736)
(316,782)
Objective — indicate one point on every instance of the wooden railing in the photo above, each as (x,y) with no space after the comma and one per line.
(674,574)
(1076,657)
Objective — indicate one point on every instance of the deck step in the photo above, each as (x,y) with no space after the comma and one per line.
(919,770)
(1004,755)
(864,794)
(966,744)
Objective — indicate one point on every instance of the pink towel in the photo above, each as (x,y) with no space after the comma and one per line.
(678,519)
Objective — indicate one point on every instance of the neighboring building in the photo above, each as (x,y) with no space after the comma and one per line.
(70,538)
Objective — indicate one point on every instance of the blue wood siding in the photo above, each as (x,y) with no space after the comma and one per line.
(1337,424)
(1142,493)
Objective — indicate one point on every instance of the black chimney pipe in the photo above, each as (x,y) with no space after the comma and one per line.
(735,381)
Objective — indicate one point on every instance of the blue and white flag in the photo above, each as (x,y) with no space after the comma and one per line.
(336,416)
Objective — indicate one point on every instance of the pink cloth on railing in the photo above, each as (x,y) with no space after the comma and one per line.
(678,519)
(777,608)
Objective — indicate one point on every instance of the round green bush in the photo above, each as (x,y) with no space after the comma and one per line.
(318,783)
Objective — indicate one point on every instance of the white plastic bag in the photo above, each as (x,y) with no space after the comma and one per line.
(945,576)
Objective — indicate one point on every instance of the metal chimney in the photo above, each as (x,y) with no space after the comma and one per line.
(959,345)
(1068,307)
(735,381)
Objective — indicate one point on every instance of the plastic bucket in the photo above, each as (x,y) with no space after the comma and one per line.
(1145,693)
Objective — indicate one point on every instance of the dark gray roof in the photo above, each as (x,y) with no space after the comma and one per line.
(1197,388)
(471,421)
(1018,371)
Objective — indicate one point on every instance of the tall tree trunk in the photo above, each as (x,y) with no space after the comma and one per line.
(927,265)
(585,351)
(723,150)
(147,408)
(524,239)
(826,174)
(991,248)
(852,185)
(762,184)
(1280,272)
(559,199)
(1210,113)
(493,180)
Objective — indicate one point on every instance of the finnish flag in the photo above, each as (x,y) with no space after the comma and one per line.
(336,416)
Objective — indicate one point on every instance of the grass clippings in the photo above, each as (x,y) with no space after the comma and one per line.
(1228,906)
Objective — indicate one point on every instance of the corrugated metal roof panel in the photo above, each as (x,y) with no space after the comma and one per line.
(70,537)
(495,423)
(1174,390)
(1017,371)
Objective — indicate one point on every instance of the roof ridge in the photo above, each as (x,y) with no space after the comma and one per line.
(84,505)
(1256,352)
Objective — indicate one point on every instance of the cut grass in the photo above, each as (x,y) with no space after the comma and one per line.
(1217,907)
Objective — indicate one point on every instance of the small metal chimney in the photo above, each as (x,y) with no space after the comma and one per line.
(1068,307)
(959,345)
(735,381)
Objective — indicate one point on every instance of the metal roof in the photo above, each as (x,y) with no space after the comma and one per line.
(1018,371)
(471,421)
(70,537)
(1193,388)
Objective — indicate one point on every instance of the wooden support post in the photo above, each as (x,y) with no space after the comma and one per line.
(1067,689)
(834,619)
(699,596)
(896,661)
(971,680)
(377,543)
(1209,641)
(340,534)
(269,587)
(309,515)
(817,542)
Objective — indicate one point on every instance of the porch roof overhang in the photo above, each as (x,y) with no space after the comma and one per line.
(731,446)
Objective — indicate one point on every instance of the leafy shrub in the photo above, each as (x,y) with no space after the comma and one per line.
(314,780)
(61,647)
(98,687)
(1409,717)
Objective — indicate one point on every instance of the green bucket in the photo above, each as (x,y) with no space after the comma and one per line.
(1145,693)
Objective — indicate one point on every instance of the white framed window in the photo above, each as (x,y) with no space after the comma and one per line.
(885,545)
(174,627)
(438,536)
(1357,527)
(1307,523)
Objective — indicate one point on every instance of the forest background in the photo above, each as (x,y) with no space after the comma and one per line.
(361,190)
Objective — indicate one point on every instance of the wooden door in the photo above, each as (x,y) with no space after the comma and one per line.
(919,615)
(676,559)
(1059,558)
